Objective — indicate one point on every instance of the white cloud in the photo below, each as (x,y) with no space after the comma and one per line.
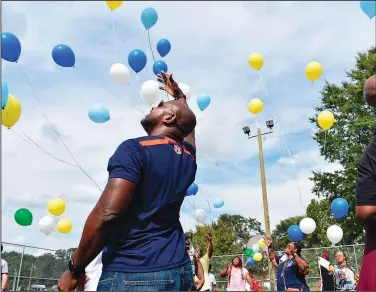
(210,46)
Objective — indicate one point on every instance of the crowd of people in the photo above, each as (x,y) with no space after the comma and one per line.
(133,239)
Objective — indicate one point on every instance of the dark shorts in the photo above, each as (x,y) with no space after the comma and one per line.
(177,279)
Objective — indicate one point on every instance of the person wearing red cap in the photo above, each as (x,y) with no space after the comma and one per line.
(326,282)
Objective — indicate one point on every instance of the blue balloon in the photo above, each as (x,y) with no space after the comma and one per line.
(218,203)
(192,190)
(4,93)
(369,8)
(163,47)
(137,60)
(99,114)
(10,47)
(250,261)
(63,56)
(339,208)
(203,102)
(294,233)
(149,17)
(159,66)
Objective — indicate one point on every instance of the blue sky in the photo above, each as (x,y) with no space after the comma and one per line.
(211,42)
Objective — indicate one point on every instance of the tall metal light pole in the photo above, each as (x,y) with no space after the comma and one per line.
(247,131)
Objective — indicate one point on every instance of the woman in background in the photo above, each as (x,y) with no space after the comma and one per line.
(237,275)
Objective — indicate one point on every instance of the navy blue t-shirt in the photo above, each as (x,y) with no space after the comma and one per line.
(288,274)
(149,237)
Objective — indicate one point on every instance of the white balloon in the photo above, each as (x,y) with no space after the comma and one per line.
(200,216)
(47,224)
(307,225)
(334,234)
(186,90)
(120,73)
(150,91)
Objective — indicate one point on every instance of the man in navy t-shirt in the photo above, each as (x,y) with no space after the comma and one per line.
(136,220)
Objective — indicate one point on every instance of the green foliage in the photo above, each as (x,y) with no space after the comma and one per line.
(345,142)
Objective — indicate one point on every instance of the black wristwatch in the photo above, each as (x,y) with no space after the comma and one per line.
(76,272)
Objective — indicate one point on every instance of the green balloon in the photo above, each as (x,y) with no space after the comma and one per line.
(23,217)
(248,252)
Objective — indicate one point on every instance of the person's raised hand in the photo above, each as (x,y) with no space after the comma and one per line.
(171,87)
(209,236)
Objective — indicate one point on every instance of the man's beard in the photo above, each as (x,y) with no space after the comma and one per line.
(147,124)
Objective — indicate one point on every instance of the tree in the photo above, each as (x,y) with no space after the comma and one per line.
(345,142)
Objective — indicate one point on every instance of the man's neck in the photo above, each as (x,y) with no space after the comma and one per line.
(160,132)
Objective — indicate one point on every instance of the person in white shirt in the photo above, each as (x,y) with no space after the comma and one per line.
(4,273)
(212,281)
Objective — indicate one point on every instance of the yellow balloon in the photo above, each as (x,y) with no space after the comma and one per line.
(56,206)
(64,226)
(262,243)
(255,106)
(12,112)
(257,256)
(313,71)
(114,4)
(256,61)
(325,120)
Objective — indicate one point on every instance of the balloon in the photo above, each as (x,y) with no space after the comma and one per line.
(294,233)
(113,5)
(250,262)
(262,243)
(163,47)
(63,56)
(248,252)
(186,90)
(200,216)
(313,71)
(10,47)
(137,60)
(339,208)
(255,106)
(119,73)
(23,217)
(99,114)
(47,224)
(149,17)
(255,248)
(257,256)
(150,91)
(4,93)
(369,8)
(203,102)
(159,66)
(256,61)
(218,203)
(64,226)
(192,190)
(334,234)
(307,225)
(325,120)
(56,206)
(12,112)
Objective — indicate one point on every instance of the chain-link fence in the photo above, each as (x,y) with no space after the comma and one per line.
(354,255)
(32,268)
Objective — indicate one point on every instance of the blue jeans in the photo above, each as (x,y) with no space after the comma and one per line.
(177,279)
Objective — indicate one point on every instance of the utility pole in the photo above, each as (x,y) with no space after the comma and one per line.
(246,130)
(31,272)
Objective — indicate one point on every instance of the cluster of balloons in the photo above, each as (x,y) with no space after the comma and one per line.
(255,60)
(254,252)
(369,8)
(339,209)
(47,224)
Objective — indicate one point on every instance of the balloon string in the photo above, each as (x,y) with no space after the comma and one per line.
(320,185)
(43,150)
(56,132)
(285,143)
(114,37)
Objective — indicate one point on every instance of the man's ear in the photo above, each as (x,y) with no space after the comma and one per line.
(169,118)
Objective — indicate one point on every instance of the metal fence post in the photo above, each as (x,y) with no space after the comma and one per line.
(14,280)
(19,270)
(356,260)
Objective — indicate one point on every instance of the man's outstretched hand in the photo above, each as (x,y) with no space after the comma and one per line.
(171,87)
